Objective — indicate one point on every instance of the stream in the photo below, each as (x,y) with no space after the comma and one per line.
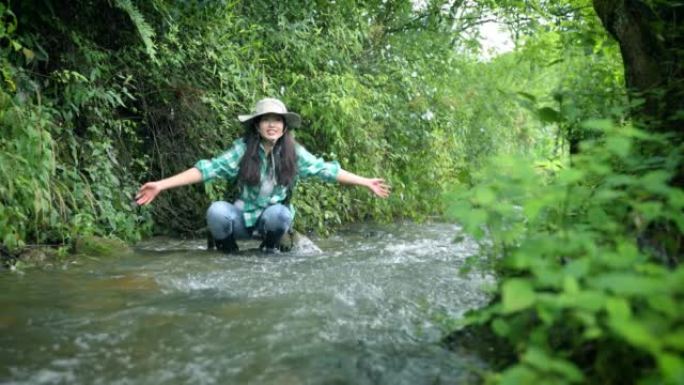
(364,310)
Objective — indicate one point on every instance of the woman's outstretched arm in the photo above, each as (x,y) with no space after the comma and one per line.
(376,185)
(150,190)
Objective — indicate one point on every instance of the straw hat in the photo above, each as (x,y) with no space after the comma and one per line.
(272,106)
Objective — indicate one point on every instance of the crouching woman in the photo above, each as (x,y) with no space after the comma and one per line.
(265,162)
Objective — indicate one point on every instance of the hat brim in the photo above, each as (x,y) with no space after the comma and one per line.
(293,120)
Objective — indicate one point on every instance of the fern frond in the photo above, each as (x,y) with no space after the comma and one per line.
(144,29)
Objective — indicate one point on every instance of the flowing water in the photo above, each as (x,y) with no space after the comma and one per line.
(362,311)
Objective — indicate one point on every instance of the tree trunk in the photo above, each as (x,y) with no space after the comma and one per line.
(651,40)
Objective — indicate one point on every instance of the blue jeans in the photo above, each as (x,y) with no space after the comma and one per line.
(225,219)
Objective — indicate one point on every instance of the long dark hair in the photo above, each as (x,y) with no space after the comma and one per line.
(283,151)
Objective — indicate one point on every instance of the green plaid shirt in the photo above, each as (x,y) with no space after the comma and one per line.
(227,166)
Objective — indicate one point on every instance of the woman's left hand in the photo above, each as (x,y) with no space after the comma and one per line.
(378,187)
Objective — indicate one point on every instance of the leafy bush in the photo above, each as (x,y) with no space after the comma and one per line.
(591,290)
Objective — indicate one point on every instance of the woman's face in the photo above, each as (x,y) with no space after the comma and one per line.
(271,127)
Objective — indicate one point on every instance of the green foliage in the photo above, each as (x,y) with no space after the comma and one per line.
(64,148)
(26,166)
(122,92)
(585,294)
(128,92)
(587,247)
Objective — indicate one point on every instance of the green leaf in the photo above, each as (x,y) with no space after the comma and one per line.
(518,374)
(672,367)
(590,300)
(616,260)
(500,327)
(517,294)
(618,308)
(484,195)
(475,218)
(28,54)
(664,304)
(635,333)
(619,145)
(628,284)
(533,207)
(675,339)
(598,124)
(649,210)
(591,333)
(548,115)
(570,285)
(539,359)
(578,268)
(555,61)
(528,96)
(567,369)
(570,176)
(656,182)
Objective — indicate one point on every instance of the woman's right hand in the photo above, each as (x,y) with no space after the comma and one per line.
(147,193)
(150,190)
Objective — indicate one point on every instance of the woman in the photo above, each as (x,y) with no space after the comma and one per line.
(266,162)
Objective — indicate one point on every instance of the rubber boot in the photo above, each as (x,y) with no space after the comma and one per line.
(287,241)
(227,245)
(270,243)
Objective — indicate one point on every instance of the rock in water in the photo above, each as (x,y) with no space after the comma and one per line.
(302,244)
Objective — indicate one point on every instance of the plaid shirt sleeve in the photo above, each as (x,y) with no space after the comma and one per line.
(308,165)
(226,165)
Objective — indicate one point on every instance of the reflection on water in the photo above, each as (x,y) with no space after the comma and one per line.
(360,312)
